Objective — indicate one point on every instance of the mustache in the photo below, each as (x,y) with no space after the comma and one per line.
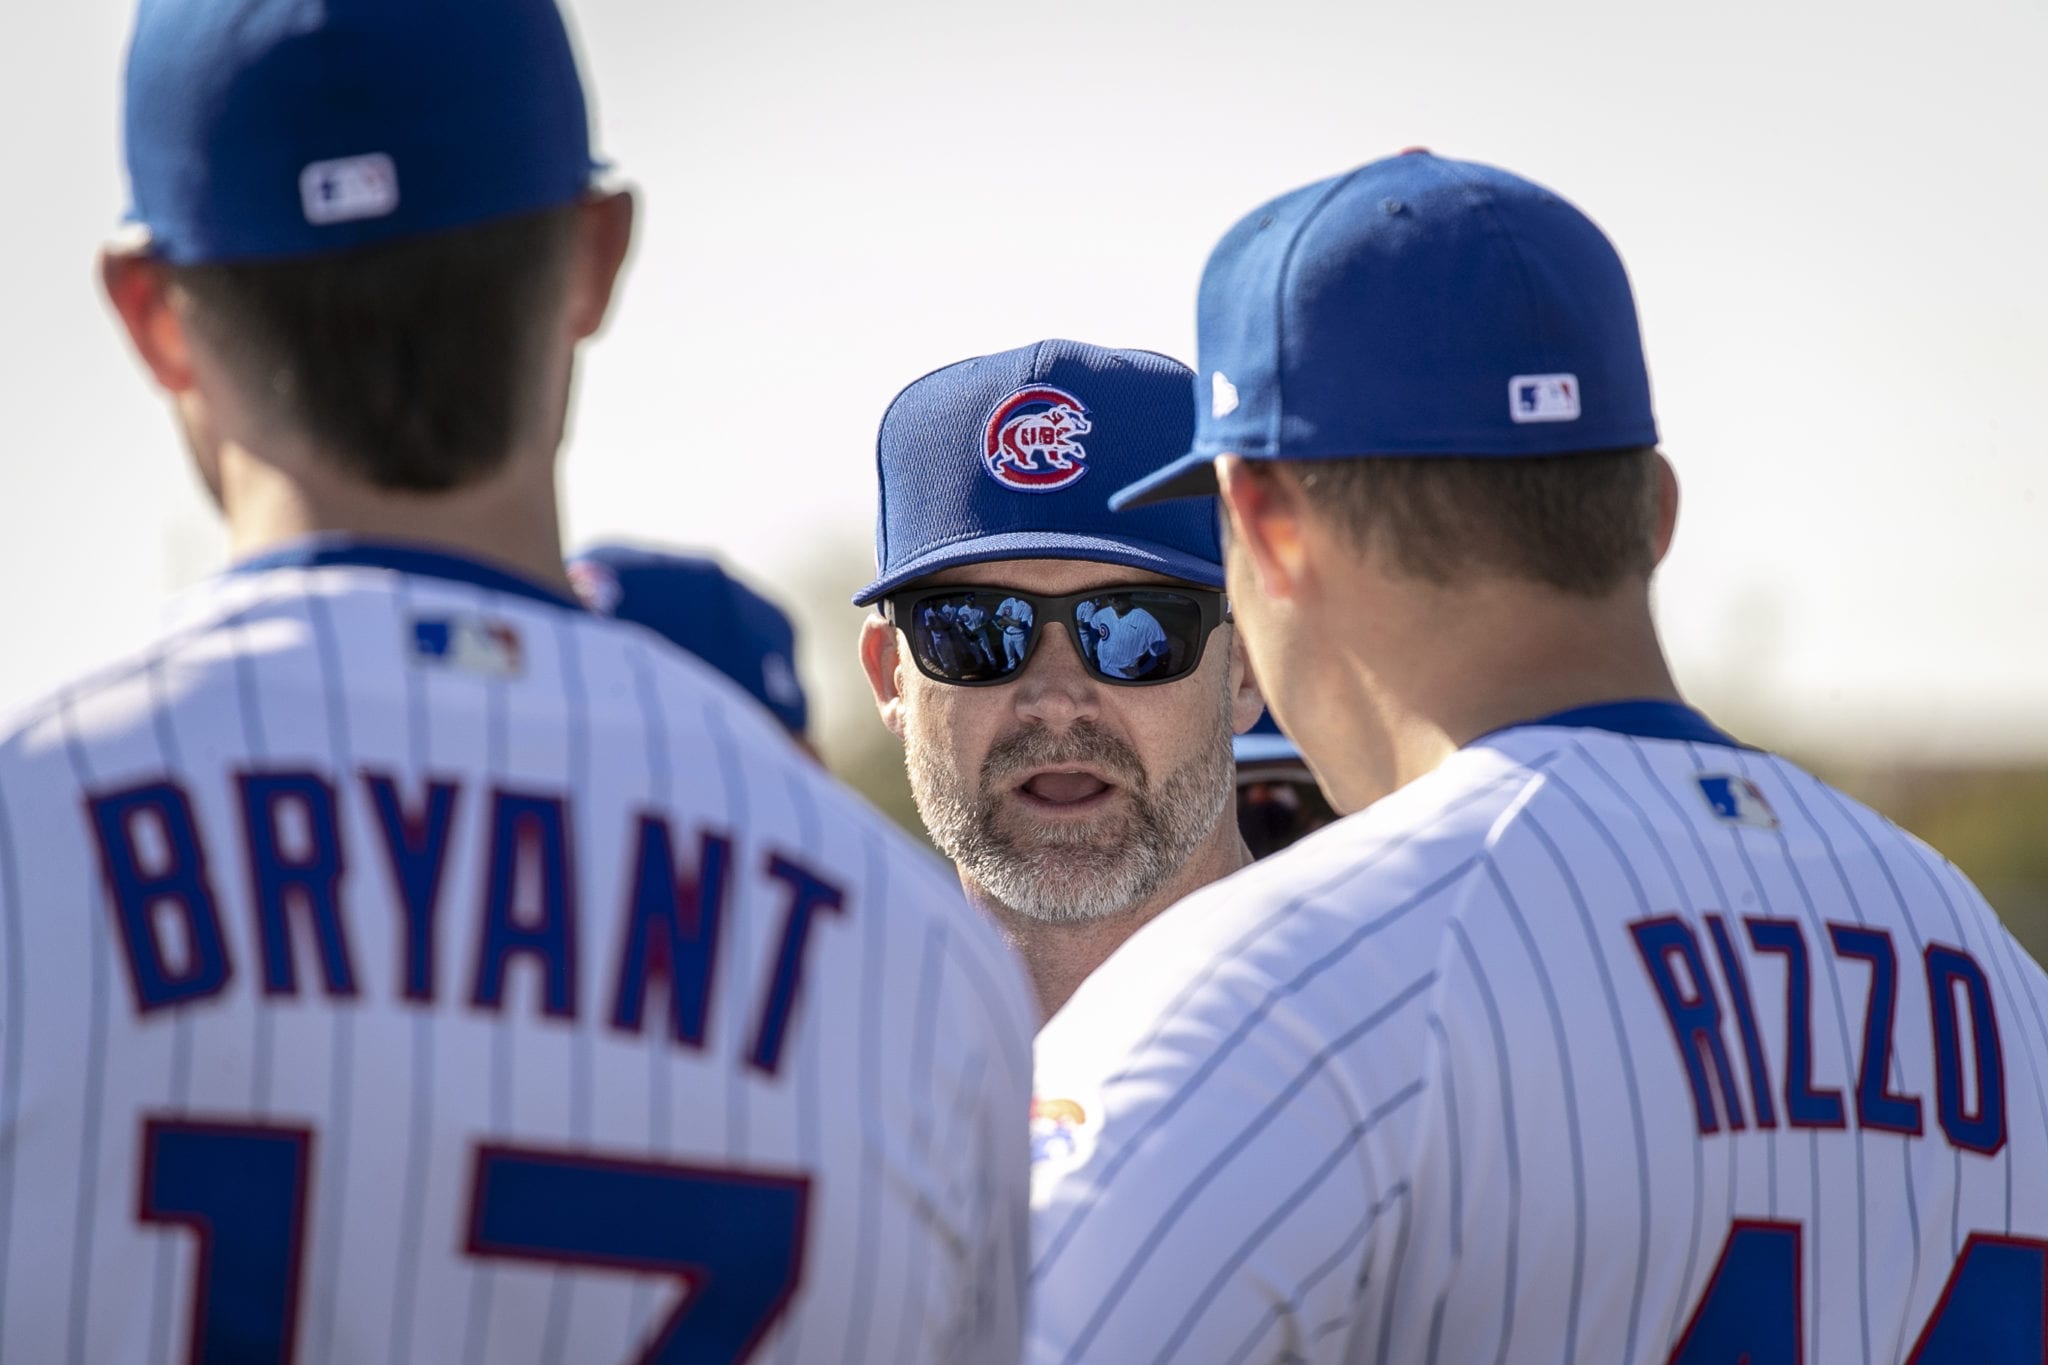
(1083,743)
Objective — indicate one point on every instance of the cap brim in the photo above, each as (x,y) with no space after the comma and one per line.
(1130,554)
(1264,749)
(1191,476)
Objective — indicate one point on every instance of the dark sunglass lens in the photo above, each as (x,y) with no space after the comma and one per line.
(1275,813)
(970,637)
(1140,636)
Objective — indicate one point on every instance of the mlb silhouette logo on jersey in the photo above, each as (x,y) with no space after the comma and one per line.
(1737,800)
(1031,440)
(473,644)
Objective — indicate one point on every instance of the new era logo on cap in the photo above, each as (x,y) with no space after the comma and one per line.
(349,189)
(1222,395)
(1544,398)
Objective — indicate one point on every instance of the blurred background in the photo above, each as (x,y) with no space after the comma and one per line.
(1831,212)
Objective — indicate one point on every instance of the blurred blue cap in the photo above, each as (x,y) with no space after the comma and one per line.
(270,129)
(1013,456)
(698,606)
(1416,306)
(1264,743)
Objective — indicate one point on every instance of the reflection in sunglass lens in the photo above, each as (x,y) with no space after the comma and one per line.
(971,636)
(1274,813)
(1140,636)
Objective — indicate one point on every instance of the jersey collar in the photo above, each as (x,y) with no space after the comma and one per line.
(1642,719)
(320,552)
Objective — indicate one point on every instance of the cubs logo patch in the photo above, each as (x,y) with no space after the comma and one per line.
(1056,1128)
(1031,442)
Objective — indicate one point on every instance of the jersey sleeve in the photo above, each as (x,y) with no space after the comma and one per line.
(1206,1186)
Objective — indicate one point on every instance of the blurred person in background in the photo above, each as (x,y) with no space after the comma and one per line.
(1278,801)
(1078,795)
(691,601)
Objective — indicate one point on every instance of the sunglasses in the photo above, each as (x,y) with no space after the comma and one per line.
(1278,804)
(1133,637)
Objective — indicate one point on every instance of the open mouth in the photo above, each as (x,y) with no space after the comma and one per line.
(1065,791)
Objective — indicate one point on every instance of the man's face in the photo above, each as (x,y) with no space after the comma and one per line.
(1064,797)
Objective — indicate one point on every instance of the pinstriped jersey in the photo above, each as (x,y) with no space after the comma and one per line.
(1610,1040)
(398,963)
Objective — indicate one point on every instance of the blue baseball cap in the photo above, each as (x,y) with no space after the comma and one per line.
(696,605)
(1416,306)
(271,129)
(1012,456)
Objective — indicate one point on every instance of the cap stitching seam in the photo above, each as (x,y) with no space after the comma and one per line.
(1483,196)
(1280,297)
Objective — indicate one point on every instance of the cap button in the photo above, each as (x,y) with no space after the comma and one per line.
(1415,151)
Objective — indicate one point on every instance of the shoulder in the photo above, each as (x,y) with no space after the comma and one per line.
(1364,900)
(125,692)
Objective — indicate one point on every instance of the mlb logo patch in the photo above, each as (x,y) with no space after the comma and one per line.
(1544,398)
(1032,441)
(1737,801)
(349,189)
(472,644)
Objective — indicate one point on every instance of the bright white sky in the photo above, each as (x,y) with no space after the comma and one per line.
(1832,213)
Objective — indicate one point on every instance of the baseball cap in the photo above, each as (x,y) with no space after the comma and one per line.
(696,605)
(1415,306)
(1264,743)
(270,129)
(1011,456)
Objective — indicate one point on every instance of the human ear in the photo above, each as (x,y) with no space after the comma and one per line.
(140,291)
(604,233)
(1247,703)
(881,661)
(1265,510)
(1667,506)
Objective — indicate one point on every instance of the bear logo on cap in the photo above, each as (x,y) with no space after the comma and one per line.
(1030,442)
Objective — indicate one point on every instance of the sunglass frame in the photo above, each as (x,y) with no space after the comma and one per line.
(899,608)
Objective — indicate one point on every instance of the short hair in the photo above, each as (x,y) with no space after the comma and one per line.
(1582,523)
(414,365)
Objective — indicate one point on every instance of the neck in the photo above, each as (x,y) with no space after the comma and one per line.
(1060,955)
(1407,689)
(511,519)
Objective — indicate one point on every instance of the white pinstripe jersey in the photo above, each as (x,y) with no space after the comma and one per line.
(399,964)
(1607,1041)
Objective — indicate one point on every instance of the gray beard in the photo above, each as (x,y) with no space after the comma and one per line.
(1072,873)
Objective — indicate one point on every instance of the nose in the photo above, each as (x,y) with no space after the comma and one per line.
(1055,689)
